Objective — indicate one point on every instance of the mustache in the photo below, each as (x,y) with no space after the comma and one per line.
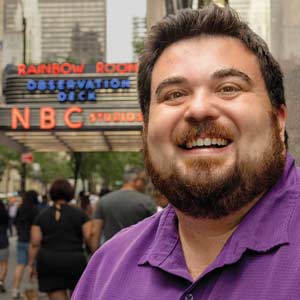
(207,128)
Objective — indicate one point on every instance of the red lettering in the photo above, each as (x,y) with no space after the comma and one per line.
(107,117)
(44,69)
(99,67)
(93,118)
(16,117)
(130,117)
(116,117)
(100,116)
(67,116)
(31,70)
(121,68)
(22,69)
(123,117)
(55,69)
(65,68)
(116,68)
(132,68)
(78,69)
(139,117)
(109,68)
(47,118)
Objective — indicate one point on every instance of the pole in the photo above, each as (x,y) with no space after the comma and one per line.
(24,39)
(23,179)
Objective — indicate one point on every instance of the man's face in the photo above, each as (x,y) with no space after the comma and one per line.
(213,142)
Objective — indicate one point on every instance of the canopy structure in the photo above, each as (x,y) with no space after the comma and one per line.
(59,107)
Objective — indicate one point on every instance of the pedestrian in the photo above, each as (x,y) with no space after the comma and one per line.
(57,238)
(122,208)
(4,245)
(12,212)
(25,216)
(215,145)
(85,204)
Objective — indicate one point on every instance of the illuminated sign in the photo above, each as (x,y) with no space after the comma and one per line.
(48,118)
(71,85)
(68,68)
(80,89)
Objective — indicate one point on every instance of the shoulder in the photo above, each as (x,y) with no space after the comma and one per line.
(107,198)
(75,211)
(133,240)
(125,251)
(44,213)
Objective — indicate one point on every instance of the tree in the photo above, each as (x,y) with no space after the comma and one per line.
(52,166)
(8,158)
(138,46)
(107,167)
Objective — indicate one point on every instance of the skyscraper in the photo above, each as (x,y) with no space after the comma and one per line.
(61,17)
(48,27)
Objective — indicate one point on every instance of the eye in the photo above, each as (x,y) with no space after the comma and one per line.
(174,95)
(229,90)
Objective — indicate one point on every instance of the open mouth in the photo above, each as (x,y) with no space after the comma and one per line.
(202,143)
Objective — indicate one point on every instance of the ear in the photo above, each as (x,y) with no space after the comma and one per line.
(281,117)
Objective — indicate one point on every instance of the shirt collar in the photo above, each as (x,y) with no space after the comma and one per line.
(267,224)
(264,227)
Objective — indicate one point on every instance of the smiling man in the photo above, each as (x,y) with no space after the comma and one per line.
(215,144)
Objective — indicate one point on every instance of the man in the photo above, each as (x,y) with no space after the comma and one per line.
(214,136)
(122,208)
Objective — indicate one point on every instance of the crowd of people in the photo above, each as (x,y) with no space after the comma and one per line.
(56,238)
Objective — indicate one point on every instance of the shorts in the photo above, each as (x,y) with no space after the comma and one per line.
(4,254)
(22,252)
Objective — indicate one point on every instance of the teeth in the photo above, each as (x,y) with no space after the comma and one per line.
(207,142)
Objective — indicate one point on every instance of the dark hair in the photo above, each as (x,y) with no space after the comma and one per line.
(131,173)
(61,189)
(30,199)
(210,20)
(104,191)
(84,202)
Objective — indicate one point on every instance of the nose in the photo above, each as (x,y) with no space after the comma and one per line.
(201,106)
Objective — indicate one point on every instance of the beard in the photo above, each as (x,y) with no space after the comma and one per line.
(205,195)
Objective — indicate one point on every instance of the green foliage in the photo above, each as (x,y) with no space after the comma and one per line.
(138,46)
(108,166)
(8,156)
(52,166)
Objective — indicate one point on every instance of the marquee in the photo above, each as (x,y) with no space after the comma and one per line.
(66,107)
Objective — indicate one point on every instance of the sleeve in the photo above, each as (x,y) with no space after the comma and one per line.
(98,213)
(84,217)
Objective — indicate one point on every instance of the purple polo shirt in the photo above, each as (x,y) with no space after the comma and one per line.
(260,261)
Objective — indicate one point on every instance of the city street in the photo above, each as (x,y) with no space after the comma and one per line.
(9,278)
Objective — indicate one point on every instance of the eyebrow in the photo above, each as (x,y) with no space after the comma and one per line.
(231,72)
(220,74)
(170,81)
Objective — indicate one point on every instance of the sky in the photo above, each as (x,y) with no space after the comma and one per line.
(119,28)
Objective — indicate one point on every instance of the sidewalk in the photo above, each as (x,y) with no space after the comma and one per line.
(11,268)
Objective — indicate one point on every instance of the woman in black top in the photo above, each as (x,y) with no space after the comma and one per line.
(57,243)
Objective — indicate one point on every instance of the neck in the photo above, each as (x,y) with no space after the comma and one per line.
(203,239)
(60,202)
(128,187)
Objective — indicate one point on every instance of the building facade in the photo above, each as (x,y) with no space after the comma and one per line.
(1,46)
(38,31)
